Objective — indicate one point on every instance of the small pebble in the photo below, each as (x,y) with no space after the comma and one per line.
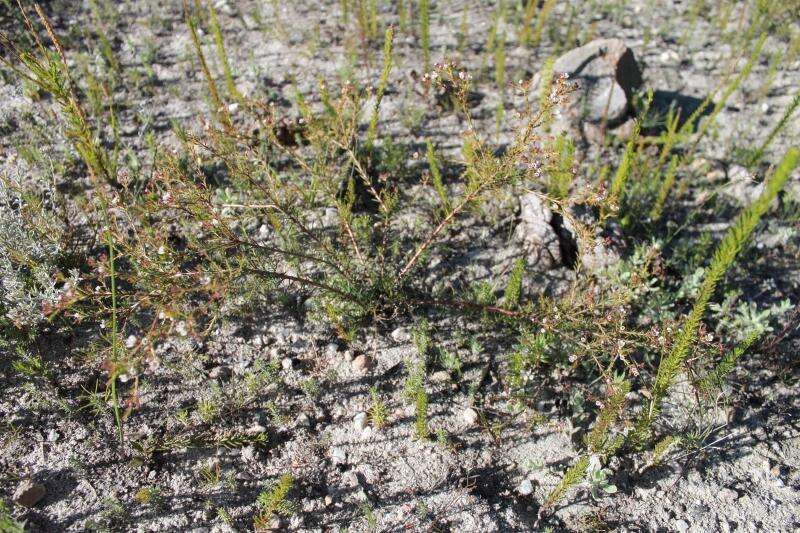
(331,348)
(287,363)
(248,453)
(727,495)
(350,479)
(440,376)
(220,372)
(338,456)
(682,526)
(130,342)
(53,435)
(255,429)
(360,421)
(525,488)
(362,363)
(470,416)
(401,335)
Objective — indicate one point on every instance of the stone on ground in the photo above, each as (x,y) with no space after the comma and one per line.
(607,76)
(29,493)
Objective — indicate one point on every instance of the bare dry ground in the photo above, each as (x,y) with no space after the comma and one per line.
(272,372)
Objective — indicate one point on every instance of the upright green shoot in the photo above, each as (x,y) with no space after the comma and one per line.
(425,33)
(421,411)
(513,291)
(541,22)
(384,81)
(723,258)
(416,393)
(49,71)
(114,335)
(527,20)
(274,501)
(223,56)
(620,179)
(758,154)
(402,14)
(560,173)
(727,363)
(436,178)
(664,189)
(105,44)
(500,64)
(220,111)
(574,475)
(598,440)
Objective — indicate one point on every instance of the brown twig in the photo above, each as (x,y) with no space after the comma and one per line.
(303,281)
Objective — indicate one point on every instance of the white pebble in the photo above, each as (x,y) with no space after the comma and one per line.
(360,421)
(470,416)
(525,488)
(338,456)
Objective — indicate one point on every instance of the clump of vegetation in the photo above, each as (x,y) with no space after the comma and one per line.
(274,502)
(7,523)
(320,210)
(35,278)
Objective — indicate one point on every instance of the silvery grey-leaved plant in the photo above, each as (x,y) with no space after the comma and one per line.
(30,246)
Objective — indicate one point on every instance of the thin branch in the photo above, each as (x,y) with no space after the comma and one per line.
(303,281)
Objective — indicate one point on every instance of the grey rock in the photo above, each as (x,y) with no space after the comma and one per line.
(537,232)
(248,454)
(303,421)
(682,526)
(595,252)
(552,241)
(607,75)
(28,493)
(255,429)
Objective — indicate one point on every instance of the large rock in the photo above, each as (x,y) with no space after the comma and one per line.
(607,76)
(537,232)
(599,251)
(552,241)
